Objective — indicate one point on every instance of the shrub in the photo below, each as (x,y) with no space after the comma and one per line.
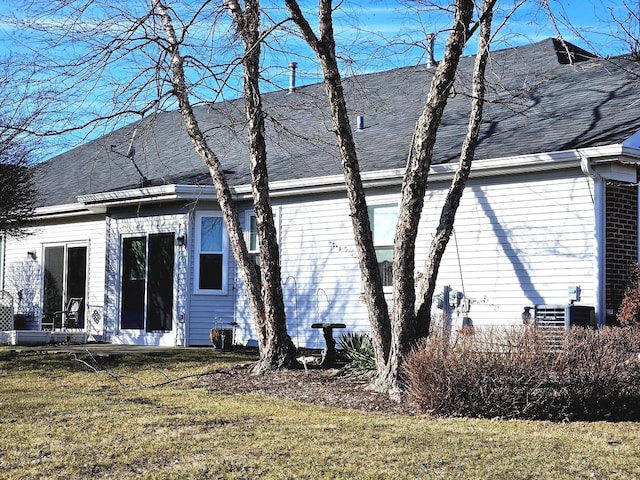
(629,311)
(514,374)
(357,350)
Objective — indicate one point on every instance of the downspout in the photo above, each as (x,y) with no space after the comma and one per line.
(599,204)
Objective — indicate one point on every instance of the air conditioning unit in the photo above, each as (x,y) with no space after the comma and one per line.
(554,320)
(564,316)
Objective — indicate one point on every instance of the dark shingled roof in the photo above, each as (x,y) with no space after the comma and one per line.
(537,102)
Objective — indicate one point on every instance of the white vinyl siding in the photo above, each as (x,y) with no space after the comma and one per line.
(318,266)
(518,241)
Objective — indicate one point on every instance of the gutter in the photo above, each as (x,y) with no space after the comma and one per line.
(61,211)
(549,161)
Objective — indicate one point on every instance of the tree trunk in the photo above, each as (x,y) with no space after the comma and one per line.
(276,347)
(447,216)
(271,354)
(324,48)
(404,327)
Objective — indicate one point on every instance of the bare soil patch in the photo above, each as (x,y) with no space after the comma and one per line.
(319,387)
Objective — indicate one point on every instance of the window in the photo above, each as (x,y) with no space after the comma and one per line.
(254,248)
(211,258)
(252,238)
(383,220)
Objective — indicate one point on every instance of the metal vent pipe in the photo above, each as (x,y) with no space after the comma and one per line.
(292,76)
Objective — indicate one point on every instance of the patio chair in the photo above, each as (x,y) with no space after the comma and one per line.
(68,318)
(6,311)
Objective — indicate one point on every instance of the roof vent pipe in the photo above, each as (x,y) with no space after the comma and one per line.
(292,76)
(431,61)
(360,122)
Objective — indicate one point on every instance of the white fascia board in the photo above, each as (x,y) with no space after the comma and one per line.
(547,161)
(98,202)
(61,211)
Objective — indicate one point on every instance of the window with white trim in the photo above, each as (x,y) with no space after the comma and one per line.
(212,246)
(252,244)
(252,238)
(383,220)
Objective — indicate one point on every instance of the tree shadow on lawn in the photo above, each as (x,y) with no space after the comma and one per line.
(41,359)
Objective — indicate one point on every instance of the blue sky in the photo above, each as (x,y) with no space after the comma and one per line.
(364,29)
(365,26)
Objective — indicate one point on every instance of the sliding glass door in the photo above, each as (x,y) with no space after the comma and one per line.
(65,277)
(147,283)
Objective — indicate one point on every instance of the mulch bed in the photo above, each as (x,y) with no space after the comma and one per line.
(319,387)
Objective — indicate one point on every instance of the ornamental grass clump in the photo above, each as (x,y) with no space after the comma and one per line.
(357,350)
(518,373)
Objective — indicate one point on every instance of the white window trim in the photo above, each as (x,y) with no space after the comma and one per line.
(382,203)
(225,256)
(247,230)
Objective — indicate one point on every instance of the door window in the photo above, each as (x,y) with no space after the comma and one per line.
(147,282)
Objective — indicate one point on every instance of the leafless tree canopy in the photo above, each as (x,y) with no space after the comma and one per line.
(17,190)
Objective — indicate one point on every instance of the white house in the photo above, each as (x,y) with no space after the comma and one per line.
(129,222)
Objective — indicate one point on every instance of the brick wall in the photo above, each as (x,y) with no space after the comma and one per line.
(621,240)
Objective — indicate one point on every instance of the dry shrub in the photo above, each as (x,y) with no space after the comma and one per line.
(594,375)
(629,311)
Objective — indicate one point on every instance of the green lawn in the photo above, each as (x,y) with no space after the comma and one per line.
(60,419)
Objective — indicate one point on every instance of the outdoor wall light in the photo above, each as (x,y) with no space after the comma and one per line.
(32,255)
(181,241)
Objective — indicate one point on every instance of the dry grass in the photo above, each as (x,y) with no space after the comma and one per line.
(61,420)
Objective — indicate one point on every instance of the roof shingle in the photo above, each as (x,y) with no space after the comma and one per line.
(537,102)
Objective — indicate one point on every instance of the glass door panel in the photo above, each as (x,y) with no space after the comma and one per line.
(65,277)
(147,283)
(53,279)
(77,279)
(134,263)
(160,283)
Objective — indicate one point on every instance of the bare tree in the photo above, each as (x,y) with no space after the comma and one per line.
(172,65)
(393,335)
(17,189)
(18,113)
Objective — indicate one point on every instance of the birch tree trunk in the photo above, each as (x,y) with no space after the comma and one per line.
(394,337)
(414,185)
(276,347)
(324,48)
(452,201)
